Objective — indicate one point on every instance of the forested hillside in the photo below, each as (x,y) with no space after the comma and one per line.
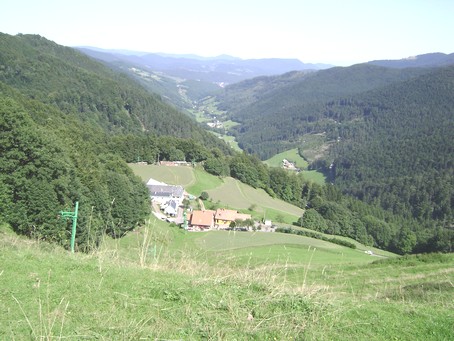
(425,60)
(277,112)
(62,116)
(397,147)
(49,161)
(389,136)
(86,89)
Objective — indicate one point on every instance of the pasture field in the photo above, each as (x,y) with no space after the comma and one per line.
(178,175)
(291,155)
(194,180)
(314,176)
(220,286)
(230,124)
(235,194)
(203,182)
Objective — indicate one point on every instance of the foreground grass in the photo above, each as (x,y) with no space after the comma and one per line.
(162,283)
(47,293)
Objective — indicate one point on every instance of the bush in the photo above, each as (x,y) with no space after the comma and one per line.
(204,196)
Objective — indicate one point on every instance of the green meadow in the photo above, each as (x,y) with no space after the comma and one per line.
(230,140)
(171,175)
(161,283)
(293,155)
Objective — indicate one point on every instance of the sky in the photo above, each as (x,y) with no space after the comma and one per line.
(338,32)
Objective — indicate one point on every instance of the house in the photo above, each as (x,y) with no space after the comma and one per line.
(170,208)
(202,220)
(163,193)
(174,163)
(224,217)
(286,164)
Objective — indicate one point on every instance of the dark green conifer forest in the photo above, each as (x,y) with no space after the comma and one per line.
(389,134)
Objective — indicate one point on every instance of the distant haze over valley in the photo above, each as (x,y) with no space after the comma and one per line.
(223,69)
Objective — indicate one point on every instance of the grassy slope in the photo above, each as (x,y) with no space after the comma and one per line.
(183,176)
(249,289)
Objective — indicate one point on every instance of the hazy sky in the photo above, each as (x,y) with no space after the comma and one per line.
(341,32)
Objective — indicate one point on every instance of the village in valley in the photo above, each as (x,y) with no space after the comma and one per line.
(170,203)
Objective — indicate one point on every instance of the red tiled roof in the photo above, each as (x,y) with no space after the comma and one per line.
(202,218)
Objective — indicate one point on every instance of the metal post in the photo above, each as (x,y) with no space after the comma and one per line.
(73,217)
(73,232)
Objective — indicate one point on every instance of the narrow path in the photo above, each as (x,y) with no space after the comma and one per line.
(202,206)
(237,183)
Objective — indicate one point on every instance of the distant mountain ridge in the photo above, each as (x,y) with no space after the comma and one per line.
(221,69)
(423,60)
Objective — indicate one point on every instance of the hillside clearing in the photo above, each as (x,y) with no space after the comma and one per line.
(291,155)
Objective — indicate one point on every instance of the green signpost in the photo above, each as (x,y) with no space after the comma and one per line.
(73,216)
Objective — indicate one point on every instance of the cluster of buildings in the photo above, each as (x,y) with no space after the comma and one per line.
(215,124)
(220,219)
(286,164)
(168,200)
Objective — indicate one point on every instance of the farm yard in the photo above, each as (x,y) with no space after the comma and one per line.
(228,191)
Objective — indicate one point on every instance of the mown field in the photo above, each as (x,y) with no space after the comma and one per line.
(160,283)
(183,176)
